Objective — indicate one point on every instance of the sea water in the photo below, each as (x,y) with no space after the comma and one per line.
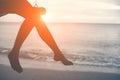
(83,43)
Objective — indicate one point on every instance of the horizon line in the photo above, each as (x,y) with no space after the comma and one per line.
(61,22)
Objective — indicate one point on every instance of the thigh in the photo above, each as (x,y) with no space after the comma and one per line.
(24,9)
(3,11)
(2,14)
(20,7)
(3,7)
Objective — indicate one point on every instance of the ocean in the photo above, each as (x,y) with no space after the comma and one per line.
(87,44)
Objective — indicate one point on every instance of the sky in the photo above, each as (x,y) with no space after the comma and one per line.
(90,11)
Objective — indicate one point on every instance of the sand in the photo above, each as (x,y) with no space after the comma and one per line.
(6,73)
(34,70)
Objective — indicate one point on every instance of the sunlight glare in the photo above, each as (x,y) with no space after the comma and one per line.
(46,17)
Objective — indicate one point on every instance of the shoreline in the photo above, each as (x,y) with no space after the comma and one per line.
(50,64)
(6,73)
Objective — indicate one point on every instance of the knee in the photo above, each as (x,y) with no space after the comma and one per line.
(35,15)
(36,19)
(39,10)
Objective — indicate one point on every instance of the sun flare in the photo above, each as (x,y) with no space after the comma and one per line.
(47,17)
(44,17)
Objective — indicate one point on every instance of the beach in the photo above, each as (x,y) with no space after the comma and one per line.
(52,70)
(6,73)
(93,48)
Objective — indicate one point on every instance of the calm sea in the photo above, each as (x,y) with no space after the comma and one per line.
(87,44)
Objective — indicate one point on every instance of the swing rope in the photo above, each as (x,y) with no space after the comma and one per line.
(36,3)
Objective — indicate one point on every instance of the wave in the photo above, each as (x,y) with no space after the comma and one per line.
(91,60)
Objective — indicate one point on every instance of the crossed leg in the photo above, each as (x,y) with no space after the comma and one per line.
(43,32)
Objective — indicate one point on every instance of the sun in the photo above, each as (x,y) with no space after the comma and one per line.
(46,17)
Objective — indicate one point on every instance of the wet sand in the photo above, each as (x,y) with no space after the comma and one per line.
(6,73)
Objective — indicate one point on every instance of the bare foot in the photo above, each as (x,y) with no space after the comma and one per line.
(14,62)
(62,59)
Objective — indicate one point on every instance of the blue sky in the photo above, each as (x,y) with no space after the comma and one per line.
(95,11)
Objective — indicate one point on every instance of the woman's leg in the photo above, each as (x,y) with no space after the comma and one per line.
(25,29)
(48,39)
(23,33)
(25,10)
